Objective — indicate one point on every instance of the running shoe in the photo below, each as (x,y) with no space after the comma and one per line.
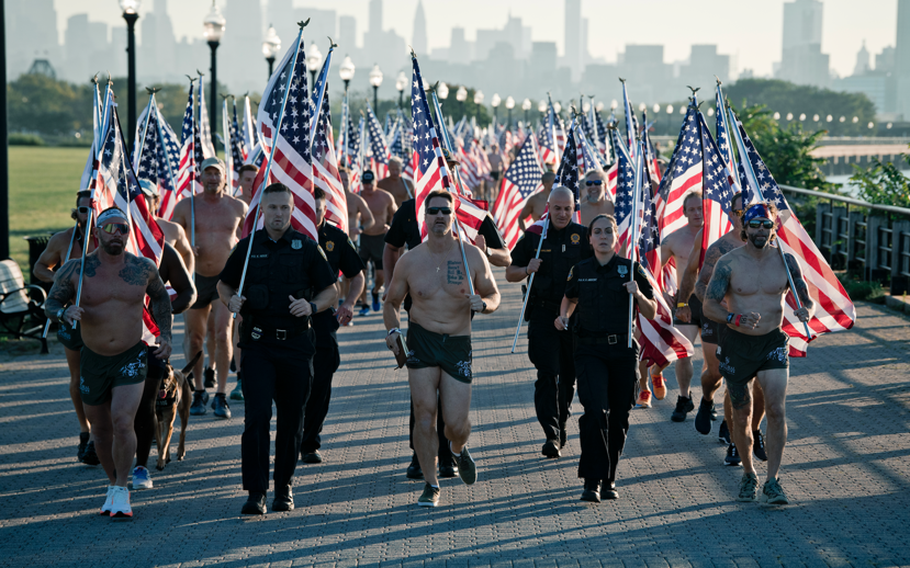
(429,497)
(644,399)
(414,471)
(90,457)
(108,502)
(376,306)
(683,406)
(732,458)
(758,446)
(723,434)
(467,469)
(773,494)
(748,488)
(199,400)
(551,448)
(659,384)
(120,506)
(209,374)
(83,443)
(703,417)
(237,393)
(221,407)
(364,310)
(141,478)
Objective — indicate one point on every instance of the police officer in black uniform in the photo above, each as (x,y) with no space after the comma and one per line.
(551,351)
(288,280)
(342,255)
(600,289)
(404,230)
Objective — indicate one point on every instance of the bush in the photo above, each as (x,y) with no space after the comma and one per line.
(862,290)
(19,139)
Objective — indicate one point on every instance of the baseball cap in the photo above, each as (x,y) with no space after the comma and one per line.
(149,188)
(367,176)
(213,163)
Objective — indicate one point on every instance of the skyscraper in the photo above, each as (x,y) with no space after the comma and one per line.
(375,17)
(573,37)
(240,54)
(902,58)
(802,61)
(419,38)
(31,28)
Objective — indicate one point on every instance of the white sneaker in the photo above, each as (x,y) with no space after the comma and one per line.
(108,501)
(120,507)
(141,478)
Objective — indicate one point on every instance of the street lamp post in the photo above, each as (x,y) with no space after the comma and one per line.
(510,104)
(478,98)
(313,62)
(376,80)
(130,14)
(346,71)
(400,83)
(271,45)
(526,106)
(461,95)
(213,29)
(494,102)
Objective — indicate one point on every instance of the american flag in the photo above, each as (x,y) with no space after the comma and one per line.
(157,157)
(568,172)
(284,117)
(238,137)
(250,138)
(716,191)
(546,149)
(235,148)
(325,165)
(430,170)
(205,128)
(186,177)
(682,176)
(661,342)
(625,193)
(521,180)
(354,154)
(556,128)
(834,311)
(378,146)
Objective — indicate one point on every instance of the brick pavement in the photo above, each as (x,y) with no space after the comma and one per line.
(846,470)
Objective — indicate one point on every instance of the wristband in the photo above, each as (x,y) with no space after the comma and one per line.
(682,305)
(739,318)
(484,308)
(394,330)
(730,318)
(60,314)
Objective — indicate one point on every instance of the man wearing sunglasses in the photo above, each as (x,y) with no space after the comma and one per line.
(595,202)
(439,336)
(114,359)
(753,281)
(62,247)
(693,285)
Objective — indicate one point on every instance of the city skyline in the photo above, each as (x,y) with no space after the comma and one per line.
(751,34)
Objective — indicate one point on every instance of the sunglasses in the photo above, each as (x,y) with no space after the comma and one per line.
(594,182)
(111,228)
(438,210)
(756,223)
(737,212)
(83,210)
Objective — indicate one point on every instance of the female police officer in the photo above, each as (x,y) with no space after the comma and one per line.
(607,368)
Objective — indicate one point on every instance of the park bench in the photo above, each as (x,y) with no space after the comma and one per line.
(21,306)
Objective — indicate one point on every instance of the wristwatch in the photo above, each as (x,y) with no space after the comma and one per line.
(682,305)
(60,313)
(313,308)
(484,304)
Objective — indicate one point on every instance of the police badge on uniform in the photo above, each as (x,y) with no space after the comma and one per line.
(296,244)
(330,246)
(622,269)
(575,238)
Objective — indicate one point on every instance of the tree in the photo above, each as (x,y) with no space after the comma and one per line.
(883,183)
(40,104)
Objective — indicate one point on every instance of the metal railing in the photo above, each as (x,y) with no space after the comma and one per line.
(871,239)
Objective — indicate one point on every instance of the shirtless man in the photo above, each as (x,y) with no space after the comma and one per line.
(753,281)
(536,205)
(678,245)
(595,202)
(247,177)
(114,357)
(693,285)
(400,188)
(440,336)
(360,217)
(174,234)
(372,240)
(495,159)
(62,247)
(218,222)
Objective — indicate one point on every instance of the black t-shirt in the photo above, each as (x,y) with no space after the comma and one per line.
(339,251)
(603,302)
(405,231)
(561,250)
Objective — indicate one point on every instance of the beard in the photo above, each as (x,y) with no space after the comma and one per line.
(112,248)
(439,229)
(759,241)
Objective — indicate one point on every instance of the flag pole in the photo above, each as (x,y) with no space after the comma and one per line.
(524,304)
(753,181)
(636,191)
(193,185)
(227,144)
(268,165)
(448,145)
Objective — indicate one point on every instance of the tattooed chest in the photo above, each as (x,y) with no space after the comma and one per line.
(449,279)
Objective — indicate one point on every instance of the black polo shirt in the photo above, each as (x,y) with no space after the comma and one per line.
(339,250)
(561,250)
(603,302)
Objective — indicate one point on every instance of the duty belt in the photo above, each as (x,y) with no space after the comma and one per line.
(612,339)
(259,332)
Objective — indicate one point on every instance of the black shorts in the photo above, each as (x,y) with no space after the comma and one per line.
(99,374)
(707,326)
(371,247)
(69,337)
(206,291)
(451,353)
(742,356)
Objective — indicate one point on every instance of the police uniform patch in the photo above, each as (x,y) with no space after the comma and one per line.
(296,244)
(319,248)
(571,270)
(641,270)
(575,238)
(622,269)
(330,246)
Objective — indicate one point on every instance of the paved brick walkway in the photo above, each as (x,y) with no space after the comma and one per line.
(846,470)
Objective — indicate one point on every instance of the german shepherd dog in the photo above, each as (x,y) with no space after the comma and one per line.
(174,395)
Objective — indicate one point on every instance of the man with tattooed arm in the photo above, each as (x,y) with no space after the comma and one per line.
(114,358)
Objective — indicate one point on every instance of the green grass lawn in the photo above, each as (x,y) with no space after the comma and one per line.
(43,186)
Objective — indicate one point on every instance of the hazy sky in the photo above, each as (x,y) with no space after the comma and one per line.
(748,31)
